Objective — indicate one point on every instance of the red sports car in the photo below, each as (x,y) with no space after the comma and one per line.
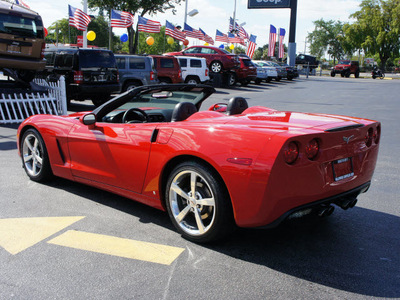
(212,169)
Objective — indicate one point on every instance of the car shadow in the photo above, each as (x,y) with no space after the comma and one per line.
(355,251)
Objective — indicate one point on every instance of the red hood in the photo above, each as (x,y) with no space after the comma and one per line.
(174,53)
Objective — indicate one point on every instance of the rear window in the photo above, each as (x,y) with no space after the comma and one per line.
(166,63)
(137,63)
(64,60)
(247,62)
(96,59)
(21,26)
(195,63)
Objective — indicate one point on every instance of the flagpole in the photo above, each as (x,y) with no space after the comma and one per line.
(110,32)
(234,24)
(85,32)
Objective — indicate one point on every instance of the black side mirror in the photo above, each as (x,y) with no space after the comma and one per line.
(89,119)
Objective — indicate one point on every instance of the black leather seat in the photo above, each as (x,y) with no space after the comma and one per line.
(182,111)
(236,106)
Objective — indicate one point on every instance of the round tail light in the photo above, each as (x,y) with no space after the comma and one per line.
(291,153)
(312,149)
(377,134)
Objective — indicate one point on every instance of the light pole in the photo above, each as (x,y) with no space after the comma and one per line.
(191,13)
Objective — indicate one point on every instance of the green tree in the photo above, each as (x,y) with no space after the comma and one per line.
(327,37)
(377,27)
(140,7)
(61,31)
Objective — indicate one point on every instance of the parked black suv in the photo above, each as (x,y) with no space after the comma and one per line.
(89,73)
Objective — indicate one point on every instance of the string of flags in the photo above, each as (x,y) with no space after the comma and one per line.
(237,34)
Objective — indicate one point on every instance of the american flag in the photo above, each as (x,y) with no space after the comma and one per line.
(191,32)
(173,32)
(242,33)
(282,33)
(22,3)
(252,46)
(121,19)
(147,25)
(221,37)
(206,37)
(272,41)
(78,18)
(235,39)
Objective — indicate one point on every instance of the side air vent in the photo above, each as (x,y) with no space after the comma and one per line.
(336,129)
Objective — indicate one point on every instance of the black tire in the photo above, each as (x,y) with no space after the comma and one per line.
(192,80)
(333,74)
(373,76)
(231,79)
(35,158)
(244,82)
(278,78)
(357,74)
(268,79)
(216,67)
(257,81)
(207,216)
(347,74)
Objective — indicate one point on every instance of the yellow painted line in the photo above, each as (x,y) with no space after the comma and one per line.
(121,247)
(18,234)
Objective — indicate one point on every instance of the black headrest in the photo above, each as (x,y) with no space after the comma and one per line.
(182,111)
(236,106)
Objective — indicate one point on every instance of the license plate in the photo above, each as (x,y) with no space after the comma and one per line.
(342,168)
(13,49)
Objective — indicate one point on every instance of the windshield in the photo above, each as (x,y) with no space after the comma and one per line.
(96,59)
(163,100)
(344,62)
(21,26)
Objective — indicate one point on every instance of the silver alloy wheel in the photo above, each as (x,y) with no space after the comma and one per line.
(232,79)
(216,67)
(192,203)
(32,154)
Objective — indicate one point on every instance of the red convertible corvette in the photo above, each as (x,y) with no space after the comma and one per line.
(213,169)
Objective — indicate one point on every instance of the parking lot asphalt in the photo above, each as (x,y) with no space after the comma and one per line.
(63,240)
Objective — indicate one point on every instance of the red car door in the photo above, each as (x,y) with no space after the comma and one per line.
(112,154)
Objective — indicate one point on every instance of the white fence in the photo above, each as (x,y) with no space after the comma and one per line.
(15,108)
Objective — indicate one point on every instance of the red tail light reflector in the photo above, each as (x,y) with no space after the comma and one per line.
(312,149)
(377,134)
(291,153)
(78,77)
(152,75)
(206,72)
(43,48)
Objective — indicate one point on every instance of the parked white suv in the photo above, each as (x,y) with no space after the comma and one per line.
(194,69)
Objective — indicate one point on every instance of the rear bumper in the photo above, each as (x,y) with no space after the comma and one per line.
(21,63)
(314,206)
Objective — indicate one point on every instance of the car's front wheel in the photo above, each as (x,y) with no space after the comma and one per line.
(35,159)
(198,203)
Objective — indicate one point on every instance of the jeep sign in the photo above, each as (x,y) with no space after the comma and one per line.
(268,4)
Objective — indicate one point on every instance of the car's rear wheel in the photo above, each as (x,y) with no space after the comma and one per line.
(197,203)
(216,67)
(131,85)
(192,80)
(231,79)
(35,159)
(333,74)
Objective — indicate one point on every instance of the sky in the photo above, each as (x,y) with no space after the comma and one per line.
(215,14)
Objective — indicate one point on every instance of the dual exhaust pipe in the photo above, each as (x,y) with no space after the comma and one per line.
(327,209)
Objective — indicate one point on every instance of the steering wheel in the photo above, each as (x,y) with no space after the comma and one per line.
(135,115)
